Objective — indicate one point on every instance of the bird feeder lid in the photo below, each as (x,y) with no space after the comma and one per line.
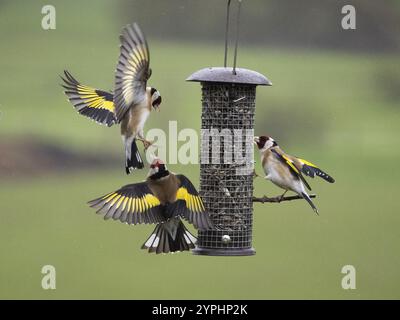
(226,75)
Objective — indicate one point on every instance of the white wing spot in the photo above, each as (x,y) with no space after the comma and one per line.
(150,241)
(155,244)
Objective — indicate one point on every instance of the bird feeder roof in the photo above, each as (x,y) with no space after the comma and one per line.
(226,75)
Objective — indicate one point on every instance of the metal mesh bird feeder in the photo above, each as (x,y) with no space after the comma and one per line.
(226,164)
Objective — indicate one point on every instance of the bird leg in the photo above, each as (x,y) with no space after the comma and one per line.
(255,175)
(281,197)
(146,143)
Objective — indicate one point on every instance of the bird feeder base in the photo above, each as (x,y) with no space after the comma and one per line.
(224,252)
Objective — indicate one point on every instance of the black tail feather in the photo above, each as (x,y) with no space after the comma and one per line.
(161,240)
(308,199)
(135,161)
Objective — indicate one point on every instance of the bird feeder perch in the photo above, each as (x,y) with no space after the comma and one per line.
(226,184)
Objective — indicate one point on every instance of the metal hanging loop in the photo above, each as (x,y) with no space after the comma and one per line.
(227,34)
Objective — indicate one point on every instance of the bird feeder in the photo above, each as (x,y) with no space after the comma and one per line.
(226,163)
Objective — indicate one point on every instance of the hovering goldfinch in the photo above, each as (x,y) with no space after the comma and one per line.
(164,198)
(132,101)
(286,171)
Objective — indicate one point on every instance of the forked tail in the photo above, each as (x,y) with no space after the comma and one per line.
(164,239)
(308,199)
(133,159)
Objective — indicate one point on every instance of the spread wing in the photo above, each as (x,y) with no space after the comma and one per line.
(311,170)
(132,71)
(95,104)
(133,204)
(190,205)
(292,167)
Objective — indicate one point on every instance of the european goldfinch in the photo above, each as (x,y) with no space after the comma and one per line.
(287,171)
(132,101)
(164,198)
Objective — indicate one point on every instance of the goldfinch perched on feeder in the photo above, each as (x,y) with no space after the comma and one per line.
(132,101)
(287,171)
(164,198)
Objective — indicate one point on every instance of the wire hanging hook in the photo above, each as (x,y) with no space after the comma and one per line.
(227,33)
(237,36)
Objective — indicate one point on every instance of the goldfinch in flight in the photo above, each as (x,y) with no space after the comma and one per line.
(132,101)
(164,198)
(287,171)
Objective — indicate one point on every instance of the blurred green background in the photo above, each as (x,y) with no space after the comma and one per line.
(335,101)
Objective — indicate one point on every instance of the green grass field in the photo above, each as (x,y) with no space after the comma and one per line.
(336,109)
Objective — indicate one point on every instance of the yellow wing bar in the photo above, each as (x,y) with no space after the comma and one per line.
(291,164)
(191,206)
(308,163)
(132,204)
(193,202)
(95,104)
(96,98)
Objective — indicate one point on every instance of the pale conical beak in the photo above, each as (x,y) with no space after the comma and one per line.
(256,140)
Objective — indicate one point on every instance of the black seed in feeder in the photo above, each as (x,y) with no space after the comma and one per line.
(227,123)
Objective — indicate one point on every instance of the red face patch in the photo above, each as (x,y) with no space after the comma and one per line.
(156,163)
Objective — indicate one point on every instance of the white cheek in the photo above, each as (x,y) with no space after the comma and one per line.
(152,171)
(155,96)
(268,145)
